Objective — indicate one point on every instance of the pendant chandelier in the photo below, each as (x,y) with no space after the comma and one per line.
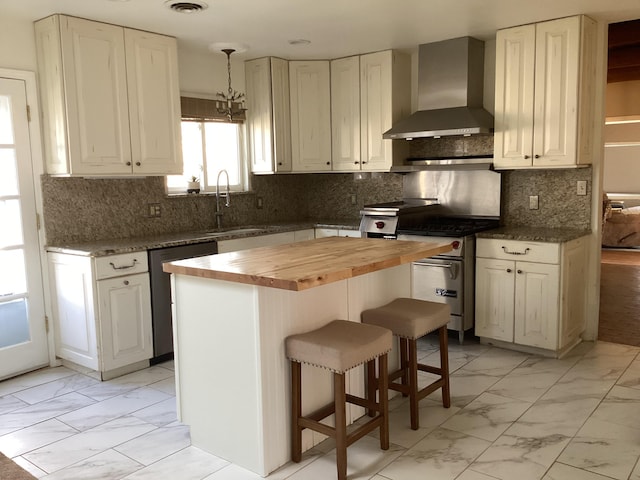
(230,104)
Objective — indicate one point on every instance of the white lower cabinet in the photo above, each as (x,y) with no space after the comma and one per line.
(237,244)
(531,294)
(335,232)
(102,311)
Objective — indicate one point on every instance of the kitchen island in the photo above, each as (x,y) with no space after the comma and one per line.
(232,313)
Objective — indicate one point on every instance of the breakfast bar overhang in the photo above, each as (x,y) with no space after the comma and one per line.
(232,313)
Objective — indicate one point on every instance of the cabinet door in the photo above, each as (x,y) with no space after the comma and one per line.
(95,79)
(513,139)
(310,115)
(345,114)
(537,305)
(556,98)
(259,118)
(154,103)
(376,100)
(281,134)
(495,288)
(73,309)
(124,305)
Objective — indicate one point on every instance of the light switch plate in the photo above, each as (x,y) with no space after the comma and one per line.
(533,202)
(582,187)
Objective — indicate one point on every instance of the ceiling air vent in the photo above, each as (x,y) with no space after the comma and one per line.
(186,7)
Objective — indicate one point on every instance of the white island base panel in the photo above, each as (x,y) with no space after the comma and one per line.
(232,376)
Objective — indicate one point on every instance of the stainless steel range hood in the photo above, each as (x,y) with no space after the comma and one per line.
(450,84)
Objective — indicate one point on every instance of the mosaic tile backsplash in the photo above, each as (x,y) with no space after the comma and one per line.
(85,210)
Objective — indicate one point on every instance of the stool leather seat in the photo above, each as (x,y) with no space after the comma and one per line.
(339,346)
(408,317)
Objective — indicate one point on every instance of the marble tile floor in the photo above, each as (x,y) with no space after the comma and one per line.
(513,416)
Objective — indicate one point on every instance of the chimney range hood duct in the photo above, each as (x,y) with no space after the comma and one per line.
(450,84)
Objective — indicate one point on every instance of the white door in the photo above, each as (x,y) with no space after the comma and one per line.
(23,338)
(495,287)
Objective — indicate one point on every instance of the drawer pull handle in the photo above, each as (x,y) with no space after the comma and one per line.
(526,250)
(124,267)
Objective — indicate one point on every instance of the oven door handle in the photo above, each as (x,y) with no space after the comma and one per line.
(453,267)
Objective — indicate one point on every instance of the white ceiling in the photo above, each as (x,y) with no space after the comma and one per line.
(335,28)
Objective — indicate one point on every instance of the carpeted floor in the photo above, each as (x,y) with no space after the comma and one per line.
(12,471)
(620,297)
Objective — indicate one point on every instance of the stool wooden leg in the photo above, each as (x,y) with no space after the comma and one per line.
(444,366)
(341,424)
(413,383)
(404,365)
(296,409)
(371,384)
(383,393)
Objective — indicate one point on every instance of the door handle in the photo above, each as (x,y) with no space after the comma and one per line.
(453,267)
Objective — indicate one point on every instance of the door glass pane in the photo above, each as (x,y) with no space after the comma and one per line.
(11,223)
(8,172)
(6,125)
(14,326)
(12,273)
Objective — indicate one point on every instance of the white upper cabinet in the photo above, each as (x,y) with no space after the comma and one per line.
(544,94)
(268,114)
(111,99)
(310,115)
(363,108)
(345,113)
(385,98)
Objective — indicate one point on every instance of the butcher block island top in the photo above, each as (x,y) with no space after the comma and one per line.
(303,265)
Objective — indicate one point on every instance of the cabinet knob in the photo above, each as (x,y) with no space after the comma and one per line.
(279,163)
(536,156)
(356,163)
(519,271)
(509,270)
(526,157)
(328,163)
(137,164)
(363,162)
(126,282)
(128,164)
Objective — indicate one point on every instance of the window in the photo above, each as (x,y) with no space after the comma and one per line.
(209,144)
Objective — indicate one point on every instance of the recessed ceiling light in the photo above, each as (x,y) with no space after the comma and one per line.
(186,7)
(299,41)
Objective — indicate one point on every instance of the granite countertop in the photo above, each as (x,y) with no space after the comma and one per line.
(534,234)
(101,248)
(302,265)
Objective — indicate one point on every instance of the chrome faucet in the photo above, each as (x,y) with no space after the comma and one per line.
(226,195)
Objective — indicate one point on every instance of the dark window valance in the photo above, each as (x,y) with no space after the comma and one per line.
(205,110)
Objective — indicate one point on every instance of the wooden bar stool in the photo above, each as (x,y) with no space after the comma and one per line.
(410,319)
(340,346)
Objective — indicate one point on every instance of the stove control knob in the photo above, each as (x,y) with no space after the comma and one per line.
(455,244)
(379,224)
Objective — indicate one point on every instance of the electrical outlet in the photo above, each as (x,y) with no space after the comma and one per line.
(533,202)
(582,187)
(259,202)
(354,199)
(154,209)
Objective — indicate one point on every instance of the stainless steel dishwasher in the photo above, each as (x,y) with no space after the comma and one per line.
(161,293)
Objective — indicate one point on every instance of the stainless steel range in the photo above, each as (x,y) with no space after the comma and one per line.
(451,206)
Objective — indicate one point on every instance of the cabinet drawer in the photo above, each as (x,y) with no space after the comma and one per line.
(124,264)
(540,252)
